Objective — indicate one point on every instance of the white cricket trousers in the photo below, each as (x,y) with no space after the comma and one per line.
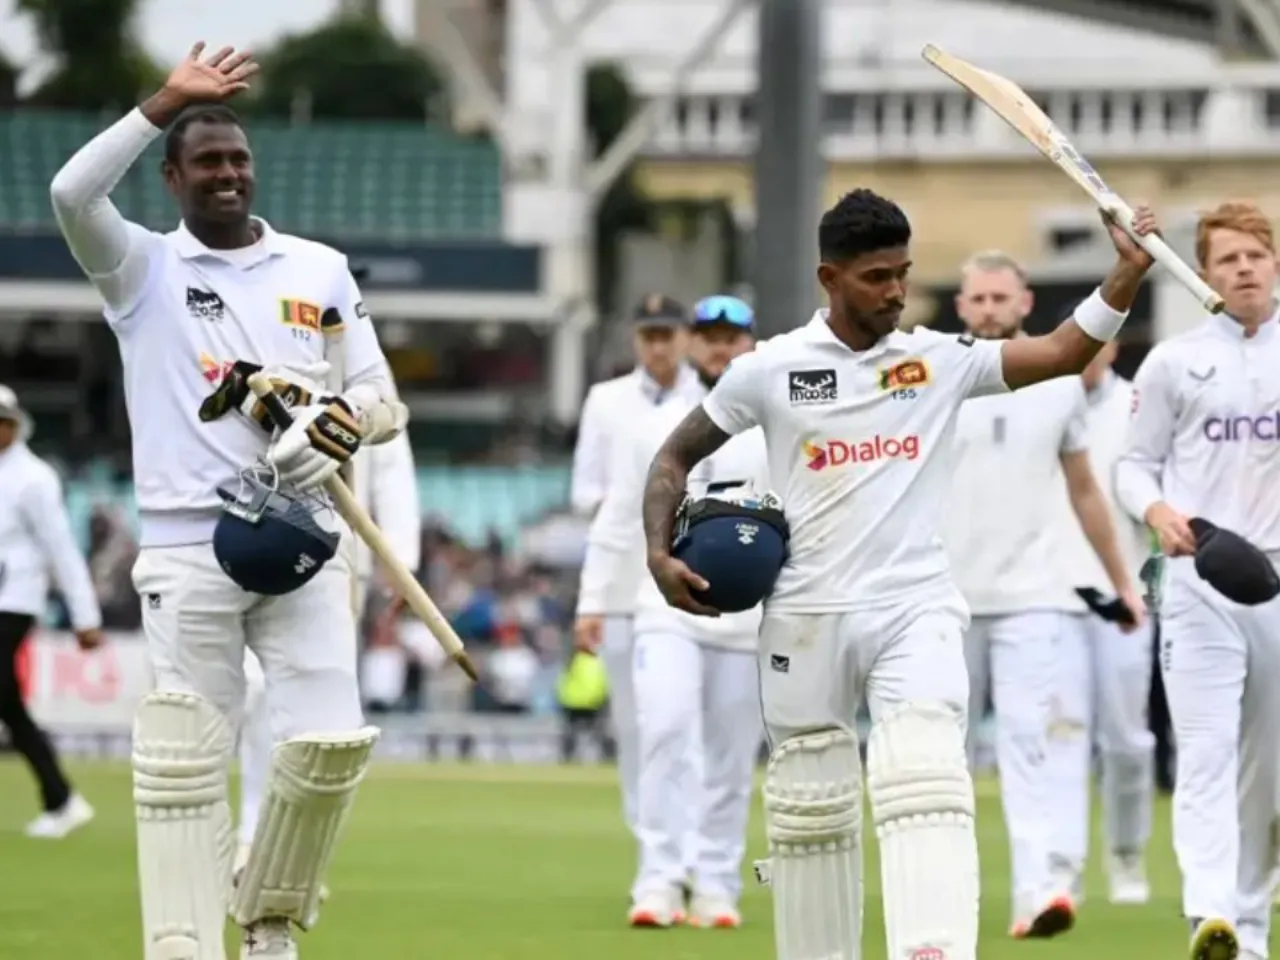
(1016,654)
(698,711)
(1102,681)
(616,650)
(1221,668)
(198,623)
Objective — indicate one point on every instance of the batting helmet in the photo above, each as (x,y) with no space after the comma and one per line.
(736,541)
(267,540)
(1233,566)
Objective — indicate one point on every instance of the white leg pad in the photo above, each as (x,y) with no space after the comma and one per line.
(181,748)
(922,802)
(813,817)
(312,785)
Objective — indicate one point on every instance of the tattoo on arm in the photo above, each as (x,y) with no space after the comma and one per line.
(695,439)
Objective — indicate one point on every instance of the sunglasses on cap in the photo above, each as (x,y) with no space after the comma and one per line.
(723,309)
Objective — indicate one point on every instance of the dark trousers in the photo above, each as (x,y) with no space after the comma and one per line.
(28,739)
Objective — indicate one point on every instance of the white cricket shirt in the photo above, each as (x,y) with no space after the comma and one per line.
(1000,524)
(36,541)
(1107,427)
(1204,435)
(860,452)
(183,313)
(607,413)
(742,460)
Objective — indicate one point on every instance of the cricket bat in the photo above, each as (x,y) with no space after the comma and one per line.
(1012,105)
(362,524)
(333,330)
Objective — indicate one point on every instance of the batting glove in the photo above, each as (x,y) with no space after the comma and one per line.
(322,438)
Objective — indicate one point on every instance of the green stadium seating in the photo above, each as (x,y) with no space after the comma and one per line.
(378,181)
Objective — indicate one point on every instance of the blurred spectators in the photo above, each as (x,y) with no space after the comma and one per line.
(112,551)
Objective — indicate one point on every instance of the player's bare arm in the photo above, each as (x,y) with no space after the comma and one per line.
(1069,348)
(1089,504)
(695,439)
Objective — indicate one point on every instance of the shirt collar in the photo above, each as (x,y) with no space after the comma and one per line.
(1232,328)
(817,330)
(11,451)
(655,392)
(189,248)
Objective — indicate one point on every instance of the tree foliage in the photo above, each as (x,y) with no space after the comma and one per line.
(100,63)
(351,68)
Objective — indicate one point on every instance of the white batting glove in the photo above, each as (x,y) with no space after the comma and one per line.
(384,422)
(322,438)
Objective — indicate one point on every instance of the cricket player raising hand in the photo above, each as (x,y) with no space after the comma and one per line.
(218,298)
(859,419)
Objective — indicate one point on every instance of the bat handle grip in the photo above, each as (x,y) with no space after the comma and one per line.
(276,408)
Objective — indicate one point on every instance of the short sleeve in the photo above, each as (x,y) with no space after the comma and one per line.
(981,365)
(364,357)
(736,402)
(1075,438)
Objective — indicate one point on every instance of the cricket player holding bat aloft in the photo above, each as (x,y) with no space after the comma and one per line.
(221,296)
(859,419)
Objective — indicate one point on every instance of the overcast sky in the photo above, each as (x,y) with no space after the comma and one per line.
(169,27)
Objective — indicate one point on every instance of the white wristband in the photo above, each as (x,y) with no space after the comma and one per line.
(1098,320)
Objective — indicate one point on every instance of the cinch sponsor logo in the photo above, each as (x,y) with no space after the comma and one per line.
(1233,429)
(837,453)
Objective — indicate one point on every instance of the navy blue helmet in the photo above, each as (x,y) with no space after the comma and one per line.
(268,540)
(736,541)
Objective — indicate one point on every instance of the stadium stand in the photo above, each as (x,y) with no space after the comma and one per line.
(386,181)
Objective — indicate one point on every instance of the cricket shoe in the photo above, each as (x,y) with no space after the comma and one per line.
(242,860)
(1127,876)
(56,824)
(1213,939)
(712,912)
(657,909)
(268,939)
(1055,917)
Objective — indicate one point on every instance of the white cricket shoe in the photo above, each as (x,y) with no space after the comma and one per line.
(1128,879)
(715,912)
(242,860)
(658,908)
(56,824)
(269,939)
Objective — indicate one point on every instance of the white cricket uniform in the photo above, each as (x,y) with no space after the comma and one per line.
(1103,675)
(607,414)
(182,313)
(386,485)
(36,542)
(1205,438)
(1000,537)
(691,674)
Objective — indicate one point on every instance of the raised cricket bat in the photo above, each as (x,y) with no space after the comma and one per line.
(1012,105)
(359,520)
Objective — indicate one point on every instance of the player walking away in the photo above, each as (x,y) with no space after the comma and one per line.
(661,375)
(859,419)
(388,489)
(1103,677)
(696,682)
(1203,443)
(1013,451)
(36,538)
(201,306)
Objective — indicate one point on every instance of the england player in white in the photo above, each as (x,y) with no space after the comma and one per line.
(386,484)
(1102,677)
(186,306)
(859,420)
(661,375)
(1204,442)
(695,680)
(1012,453)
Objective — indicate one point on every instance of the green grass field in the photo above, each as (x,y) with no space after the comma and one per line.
(491,863)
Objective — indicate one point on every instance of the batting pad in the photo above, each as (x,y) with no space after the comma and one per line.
(813,818)
(312,784)
(922,802)
(181,747)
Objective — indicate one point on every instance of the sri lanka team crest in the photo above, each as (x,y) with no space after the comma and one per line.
(300,313)
(901,376)
(214,370)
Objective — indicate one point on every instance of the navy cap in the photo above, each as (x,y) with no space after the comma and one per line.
(659,310)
